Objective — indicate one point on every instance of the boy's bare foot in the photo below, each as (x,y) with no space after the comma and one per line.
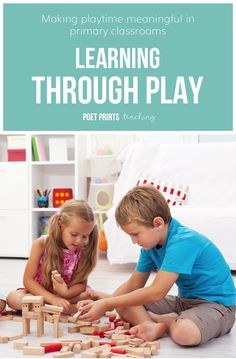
(149,331)
(163,318)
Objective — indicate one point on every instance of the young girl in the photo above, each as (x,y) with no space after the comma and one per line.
(70,249)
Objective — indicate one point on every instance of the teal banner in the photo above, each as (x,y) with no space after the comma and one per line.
(132,67)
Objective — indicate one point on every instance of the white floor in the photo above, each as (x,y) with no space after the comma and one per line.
(105,278)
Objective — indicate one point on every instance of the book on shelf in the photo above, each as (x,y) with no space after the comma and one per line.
(34,149)
(58,149)
(39,153)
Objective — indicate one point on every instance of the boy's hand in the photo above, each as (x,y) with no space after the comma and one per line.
(91,310)
(61,302)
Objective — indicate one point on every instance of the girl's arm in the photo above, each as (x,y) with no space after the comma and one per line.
(30,283)
(68,292)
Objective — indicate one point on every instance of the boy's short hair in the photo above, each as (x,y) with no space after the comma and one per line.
(142,204)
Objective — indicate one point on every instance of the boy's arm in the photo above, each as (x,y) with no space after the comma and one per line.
(29,276)
(156,291)
(136,280)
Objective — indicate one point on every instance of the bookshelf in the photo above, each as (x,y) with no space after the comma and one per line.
(19,212)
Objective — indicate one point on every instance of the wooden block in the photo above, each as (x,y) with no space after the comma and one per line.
(111,312)
(71,346)
(45,344)
(68,354)
(121,342)
(73,329)
(33,350)
(58,278)
(102,328)
(150,344)
(135,342)
(19,345)
(86,344)
(87,354)
(48,318)
(95,343)
(26,326)
(82,323)
(105,354)
(154,349)
(118,336)
(94,337)
(77,314)
(64,348)
(40,327)
(137,352)
(67,341)
(86,330)
(122,346)
(47,308)
(3,340)
(56,326)
(105,346)
(95,350)
(76,348)
(15,337)
(28,299)
(147,352)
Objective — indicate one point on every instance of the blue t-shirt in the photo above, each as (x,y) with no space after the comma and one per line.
(203,271)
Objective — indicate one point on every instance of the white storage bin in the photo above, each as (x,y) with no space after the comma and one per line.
(16,142)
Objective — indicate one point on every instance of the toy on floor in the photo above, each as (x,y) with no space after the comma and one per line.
(33,308)
(106,340)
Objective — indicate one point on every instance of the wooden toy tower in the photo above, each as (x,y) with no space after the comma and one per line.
(52,314)
(32,309)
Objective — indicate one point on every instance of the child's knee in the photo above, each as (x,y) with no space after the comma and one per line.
(185,332)
(14,299)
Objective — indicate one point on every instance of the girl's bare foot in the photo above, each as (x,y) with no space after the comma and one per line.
(163,318)
(2,305)
(149,331)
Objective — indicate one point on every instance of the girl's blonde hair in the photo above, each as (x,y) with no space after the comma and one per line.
(142,204)
(69,210)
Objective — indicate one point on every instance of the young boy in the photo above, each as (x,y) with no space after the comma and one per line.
(205,306)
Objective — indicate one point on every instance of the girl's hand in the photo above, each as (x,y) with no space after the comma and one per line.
(91,310)
(59,287)
(61,302)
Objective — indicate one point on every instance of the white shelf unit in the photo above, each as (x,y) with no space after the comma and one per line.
(19,214)
(65,174)
(14,204)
